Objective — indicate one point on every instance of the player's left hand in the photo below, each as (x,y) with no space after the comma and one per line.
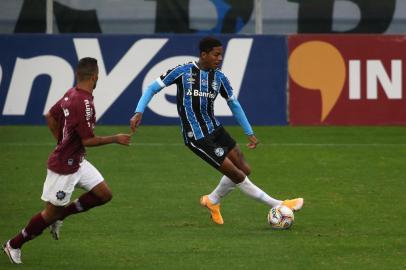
(135,122)
(253,141)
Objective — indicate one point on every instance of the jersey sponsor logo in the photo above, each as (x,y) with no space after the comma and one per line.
(60,195)
(219,151)
(197,93)
(88,110)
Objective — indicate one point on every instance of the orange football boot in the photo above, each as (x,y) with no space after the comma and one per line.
(213,208)
(294,204)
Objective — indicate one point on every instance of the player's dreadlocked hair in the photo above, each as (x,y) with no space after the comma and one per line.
(86,68)
(208,43)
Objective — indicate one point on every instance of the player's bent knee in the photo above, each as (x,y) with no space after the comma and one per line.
(237,176)
(52,213)
(107,196)
(103,192)
(247,169)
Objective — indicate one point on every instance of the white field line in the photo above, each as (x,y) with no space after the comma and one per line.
(24,144)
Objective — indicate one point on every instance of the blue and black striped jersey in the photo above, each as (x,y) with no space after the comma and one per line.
(196,91)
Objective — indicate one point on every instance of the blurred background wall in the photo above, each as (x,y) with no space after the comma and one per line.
(205,16)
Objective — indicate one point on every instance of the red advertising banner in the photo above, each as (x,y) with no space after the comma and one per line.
(347,80)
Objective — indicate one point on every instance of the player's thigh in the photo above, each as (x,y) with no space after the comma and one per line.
(89,176)
(58,188)
(207,153)
(92,180)
(233,151)
(229,169)
(237,157)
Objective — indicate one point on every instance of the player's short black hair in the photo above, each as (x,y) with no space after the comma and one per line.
(86,68)
(208,43)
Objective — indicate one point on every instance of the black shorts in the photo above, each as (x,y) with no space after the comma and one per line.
(214,147)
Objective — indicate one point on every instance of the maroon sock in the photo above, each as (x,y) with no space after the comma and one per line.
(85,202)
(34,228)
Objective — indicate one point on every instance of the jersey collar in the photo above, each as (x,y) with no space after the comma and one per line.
(83,91)
(195,64)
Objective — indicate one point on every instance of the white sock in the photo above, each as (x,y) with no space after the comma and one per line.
(223,188)
(248,188)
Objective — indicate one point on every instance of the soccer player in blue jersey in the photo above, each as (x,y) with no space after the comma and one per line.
(198,85)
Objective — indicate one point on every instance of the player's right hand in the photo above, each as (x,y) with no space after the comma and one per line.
(124,139)
(135,121)
(253,142)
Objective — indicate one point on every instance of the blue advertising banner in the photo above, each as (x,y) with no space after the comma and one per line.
(36,70)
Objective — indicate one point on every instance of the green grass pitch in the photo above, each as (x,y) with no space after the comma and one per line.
(353,180)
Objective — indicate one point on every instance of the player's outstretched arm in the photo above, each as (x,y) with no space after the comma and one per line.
(123,139)
(151,90)
(241,118)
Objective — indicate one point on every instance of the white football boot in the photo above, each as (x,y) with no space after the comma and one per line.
(14,254)
(55,228)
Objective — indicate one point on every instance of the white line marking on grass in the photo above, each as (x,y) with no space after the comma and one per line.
(24,144)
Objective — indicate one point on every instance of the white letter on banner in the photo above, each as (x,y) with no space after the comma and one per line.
(234,64)
(355,79)
(24,74)
(110,87)
(376,72)
(159,104)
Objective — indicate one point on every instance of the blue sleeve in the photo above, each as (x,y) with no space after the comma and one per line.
(226,91)
(151,90)
(239,115)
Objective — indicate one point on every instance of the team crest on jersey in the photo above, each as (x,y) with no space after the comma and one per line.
(60,195)
(214,85)
(219,151)
(88,110)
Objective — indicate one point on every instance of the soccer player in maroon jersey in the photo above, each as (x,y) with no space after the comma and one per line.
(71,121)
